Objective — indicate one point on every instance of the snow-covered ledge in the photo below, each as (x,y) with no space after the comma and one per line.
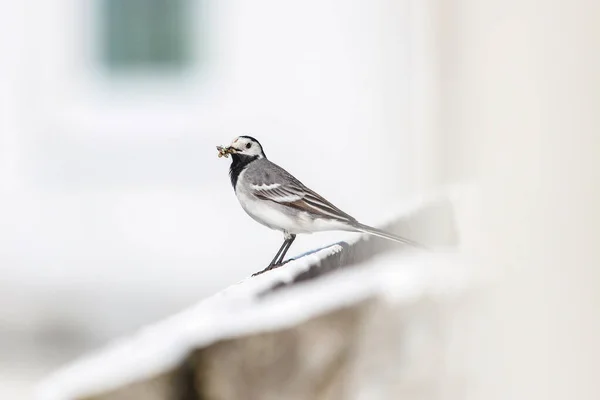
(315,328)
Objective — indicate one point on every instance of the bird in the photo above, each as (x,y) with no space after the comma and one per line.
(275,198)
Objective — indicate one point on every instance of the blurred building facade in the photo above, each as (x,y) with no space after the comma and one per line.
(115,210)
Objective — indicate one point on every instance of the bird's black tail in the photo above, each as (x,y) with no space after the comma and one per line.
(385,235)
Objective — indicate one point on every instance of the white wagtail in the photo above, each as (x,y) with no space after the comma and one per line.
(276,199)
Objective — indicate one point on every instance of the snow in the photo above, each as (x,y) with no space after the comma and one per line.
(237,311)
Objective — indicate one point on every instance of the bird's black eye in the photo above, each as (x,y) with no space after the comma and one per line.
(248,145)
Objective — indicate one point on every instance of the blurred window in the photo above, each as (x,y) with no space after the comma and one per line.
(146,34)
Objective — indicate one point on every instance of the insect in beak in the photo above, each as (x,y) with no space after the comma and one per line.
(225,151)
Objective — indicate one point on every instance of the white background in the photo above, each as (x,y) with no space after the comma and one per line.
(115,210)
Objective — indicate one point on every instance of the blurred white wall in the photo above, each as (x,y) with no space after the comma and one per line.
(115,209)
(518,112)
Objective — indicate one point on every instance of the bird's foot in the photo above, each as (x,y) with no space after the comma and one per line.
(273,266)
(270,267)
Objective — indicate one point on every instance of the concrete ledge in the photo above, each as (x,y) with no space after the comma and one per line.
(308,330)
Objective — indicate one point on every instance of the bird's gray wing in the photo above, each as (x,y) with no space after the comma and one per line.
(286,190)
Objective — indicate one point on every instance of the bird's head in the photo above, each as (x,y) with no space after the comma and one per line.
(245,146)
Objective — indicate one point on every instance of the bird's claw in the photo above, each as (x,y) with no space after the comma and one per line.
(269,268)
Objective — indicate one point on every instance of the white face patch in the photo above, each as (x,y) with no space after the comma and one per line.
(247,146)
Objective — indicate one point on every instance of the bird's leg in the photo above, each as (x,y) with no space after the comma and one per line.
(273,263)
(289,244)
(283,246)
(289,238)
